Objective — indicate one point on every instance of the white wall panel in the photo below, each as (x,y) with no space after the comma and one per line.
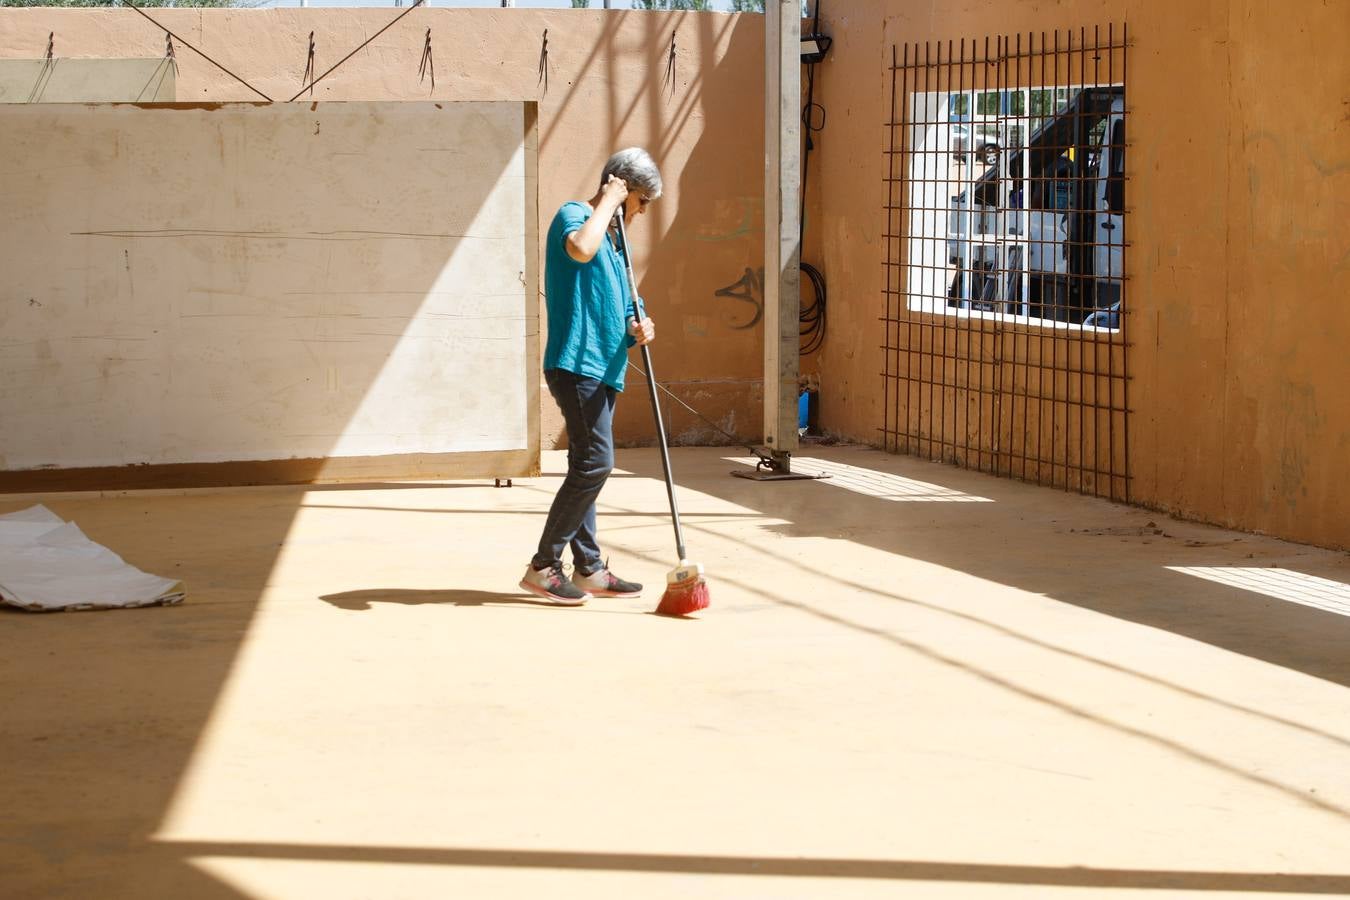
(256,282)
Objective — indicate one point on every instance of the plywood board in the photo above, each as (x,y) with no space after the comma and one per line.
(221,283)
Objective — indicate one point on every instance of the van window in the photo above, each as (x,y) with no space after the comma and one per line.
(1115,184)
(1052,191)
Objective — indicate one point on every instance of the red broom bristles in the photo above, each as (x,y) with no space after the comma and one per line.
(684,597)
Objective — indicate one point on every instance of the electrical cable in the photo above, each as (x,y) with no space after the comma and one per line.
(812,317)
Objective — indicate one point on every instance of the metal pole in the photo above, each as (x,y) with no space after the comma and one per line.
(782,224)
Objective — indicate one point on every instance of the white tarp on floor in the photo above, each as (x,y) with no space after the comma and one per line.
(47,563)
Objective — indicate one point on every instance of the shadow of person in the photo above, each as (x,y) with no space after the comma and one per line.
(362,600)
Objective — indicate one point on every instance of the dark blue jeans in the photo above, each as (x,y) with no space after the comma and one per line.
(588,409)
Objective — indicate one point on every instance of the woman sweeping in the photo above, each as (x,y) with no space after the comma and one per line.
(590,330)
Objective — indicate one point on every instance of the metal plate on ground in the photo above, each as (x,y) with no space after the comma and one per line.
(762,475)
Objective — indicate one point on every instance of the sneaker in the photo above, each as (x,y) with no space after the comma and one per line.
(603,583)
(552,585)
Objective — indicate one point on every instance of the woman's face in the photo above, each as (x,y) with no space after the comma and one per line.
(635,205)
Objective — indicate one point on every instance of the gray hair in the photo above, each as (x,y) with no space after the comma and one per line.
(637,168)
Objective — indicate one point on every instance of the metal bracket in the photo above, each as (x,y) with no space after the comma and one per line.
(497,482)
(776,467)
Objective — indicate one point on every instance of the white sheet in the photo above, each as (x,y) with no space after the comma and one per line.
(47,563)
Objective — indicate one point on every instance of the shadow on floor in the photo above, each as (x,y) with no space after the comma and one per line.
(897,870)
(1107,570)
(362,600)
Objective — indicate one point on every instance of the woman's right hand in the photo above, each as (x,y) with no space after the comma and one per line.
(616,190)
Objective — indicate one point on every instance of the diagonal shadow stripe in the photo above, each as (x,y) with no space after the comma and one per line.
(797,867)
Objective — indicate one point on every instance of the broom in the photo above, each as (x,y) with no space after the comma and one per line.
(686,591)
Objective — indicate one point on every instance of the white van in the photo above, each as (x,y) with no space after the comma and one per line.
(1040,231)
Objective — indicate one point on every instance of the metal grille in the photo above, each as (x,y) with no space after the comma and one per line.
(1006,311)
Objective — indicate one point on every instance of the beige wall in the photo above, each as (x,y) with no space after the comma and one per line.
(607,87)
(248,282)
(1238,265)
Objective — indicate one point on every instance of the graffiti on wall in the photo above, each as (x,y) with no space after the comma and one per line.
(748,289)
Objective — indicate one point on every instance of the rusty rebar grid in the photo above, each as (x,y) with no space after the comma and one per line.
(1018,366)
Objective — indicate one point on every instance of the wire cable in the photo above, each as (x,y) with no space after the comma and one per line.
(310,87)
(129,5)
(733,438)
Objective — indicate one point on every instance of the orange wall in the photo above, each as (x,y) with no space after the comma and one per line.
(1240,158)
(1238,265)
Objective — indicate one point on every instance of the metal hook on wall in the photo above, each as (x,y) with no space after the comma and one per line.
(669,77)
(428,64)
(543,62)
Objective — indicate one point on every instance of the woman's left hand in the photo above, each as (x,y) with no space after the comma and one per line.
(643,332)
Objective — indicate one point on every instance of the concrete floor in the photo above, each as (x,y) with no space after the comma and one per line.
(915,681)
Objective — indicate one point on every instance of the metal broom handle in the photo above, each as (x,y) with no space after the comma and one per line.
(651,386)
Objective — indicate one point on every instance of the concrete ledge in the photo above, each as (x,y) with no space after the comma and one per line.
(488,464)
(87,80)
